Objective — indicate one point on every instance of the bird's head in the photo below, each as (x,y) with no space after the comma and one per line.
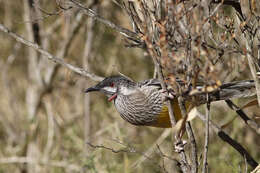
(112,86)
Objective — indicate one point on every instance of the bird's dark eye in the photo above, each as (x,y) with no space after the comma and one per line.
(112,84)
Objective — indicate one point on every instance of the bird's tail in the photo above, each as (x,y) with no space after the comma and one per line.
(237,89)
(226,91)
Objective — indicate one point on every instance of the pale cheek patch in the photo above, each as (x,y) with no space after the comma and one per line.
(110,89)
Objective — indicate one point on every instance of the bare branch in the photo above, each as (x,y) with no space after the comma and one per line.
(194,165)
(125,32)
(127,150)
(60,61)
(194,152)
(206,146)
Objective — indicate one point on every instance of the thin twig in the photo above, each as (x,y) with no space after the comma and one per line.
(194,165)
(194,152)
(206,146)
(194,155)
(125,32)
(128,149)
(51,57)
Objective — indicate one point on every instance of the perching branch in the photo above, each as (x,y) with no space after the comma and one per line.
(194,156)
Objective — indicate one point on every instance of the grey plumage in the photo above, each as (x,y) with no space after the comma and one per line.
(141,106)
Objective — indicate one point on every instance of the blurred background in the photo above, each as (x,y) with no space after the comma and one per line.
(46,119)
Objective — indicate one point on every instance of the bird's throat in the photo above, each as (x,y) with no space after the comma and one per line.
(112,97)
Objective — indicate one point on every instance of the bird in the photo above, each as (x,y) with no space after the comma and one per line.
(144,103)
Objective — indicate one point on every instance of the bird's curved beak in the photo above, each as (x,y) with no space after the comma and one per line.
(91,89)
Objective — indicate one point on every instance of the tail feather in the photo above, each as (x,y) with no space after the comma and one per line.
(226,91)
(237,89)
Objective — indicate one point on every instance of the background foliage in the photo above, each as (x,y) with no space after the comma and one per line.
(46,119)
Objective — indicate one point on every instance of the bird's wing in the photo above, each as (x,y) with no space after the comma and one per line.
(150,82)
(156,82)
